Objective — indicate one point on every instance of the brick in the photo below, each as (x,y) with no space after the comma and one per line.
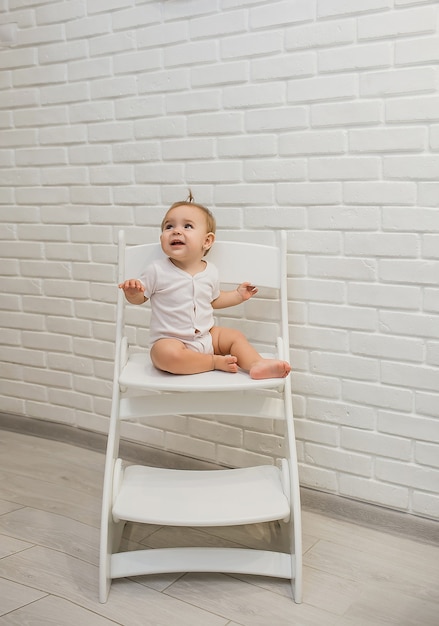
(330,8)
(344,218)
(318,478)
(219,24)
(396,82)
(161,81)
(413,52)
(388,140)
(59,13)
(215,123)
(374,491)
(391,398)
(342,268)
(254,95)
(130,108)
(421,478)
(41,195)
(204,172)
(137,16)
(274,218)
(427,454)
(64,94)
(307,143)
(321,88)
(40,156)
(346,114)
(281,14)
(269,119)
(344,168)
(427,404)
(397,23)
(411,109)
(47,116)
(186,103)
(410,271)
(318,34)
(113,87)
(15,58)
(22,356)
(89,68)
(313,385)
(251,44)
(376,444)
(40,34)
(385,347)
(380,244)
(162,34)
(420,167)
(229,147)
(326,434)
(43,75)
(430,246)
(269,170)
(338,459)
(402,219)
(16,138)
(61,52)
(385,296)
(187,149)
(343,366)
(289,67)
(431,300)
(24,390)
(425,504)
(407,375)
(359,58)
(214,74)
(47,306)
(189,53)
(317,193)
(363,417)
(410,324)
(384,192)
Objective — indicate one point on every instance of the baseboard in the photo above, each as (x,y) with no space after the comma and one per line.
(331,505)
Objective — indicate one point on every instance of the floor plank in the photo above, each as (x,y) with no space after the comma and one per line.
(50,499)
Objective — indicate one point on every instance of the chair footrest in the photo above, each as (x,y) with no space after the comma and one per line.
(230,560)
(201,498)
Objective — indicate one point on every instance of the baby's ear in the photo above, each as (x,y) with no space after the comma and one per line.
(209,240)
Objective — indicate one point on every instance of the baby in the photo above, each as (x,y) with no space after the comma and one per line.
(184,290)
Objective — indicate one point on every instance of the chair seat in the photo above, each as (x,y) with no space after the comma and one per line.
(140,373)
(201,498)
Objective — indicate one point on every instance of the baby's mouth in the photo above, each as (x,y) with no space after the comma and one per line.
(177,242)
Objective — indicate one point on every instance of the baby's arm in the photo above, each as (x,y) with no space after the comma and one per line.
(133,290)
(243,292)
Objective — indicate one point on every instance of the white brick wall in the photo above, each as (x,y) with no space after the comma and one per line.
(317,116)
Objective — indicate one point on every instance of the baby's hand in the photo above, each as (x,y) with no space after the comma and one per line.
(246,290)
(132,286)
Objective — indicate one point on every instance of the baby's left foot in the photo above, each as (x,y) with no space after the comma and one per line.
(269,368)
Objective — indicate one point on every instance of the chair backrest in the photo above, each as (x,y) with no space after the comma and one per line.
(236,262)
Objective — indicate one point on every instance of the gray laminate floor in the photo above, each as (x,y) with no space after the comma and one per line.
(49,517)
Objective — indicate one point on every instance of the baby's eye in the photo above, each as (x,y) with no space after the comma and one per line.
(168,226)
(188,226)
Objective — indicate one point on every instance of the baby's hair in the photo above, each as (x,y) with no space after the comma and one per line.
(211,223)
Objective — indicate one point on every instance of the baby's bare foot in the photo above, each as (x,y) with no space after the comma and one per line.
(225,363)
(269,368)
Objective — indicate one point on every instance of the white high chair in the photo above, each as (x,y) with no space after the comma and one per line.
(224,497)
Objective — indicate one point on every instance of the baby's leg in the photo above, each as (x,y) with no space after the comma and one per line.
(172,355)
(231,341)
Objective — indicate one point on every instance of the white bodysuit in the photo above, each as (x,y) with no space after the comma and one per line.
(180,303)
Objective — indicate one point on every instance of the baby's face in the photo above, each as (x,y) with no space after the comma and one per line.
(184,234)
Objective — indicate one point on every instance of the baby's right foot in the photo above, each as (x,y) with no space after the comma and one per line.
(225,363)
